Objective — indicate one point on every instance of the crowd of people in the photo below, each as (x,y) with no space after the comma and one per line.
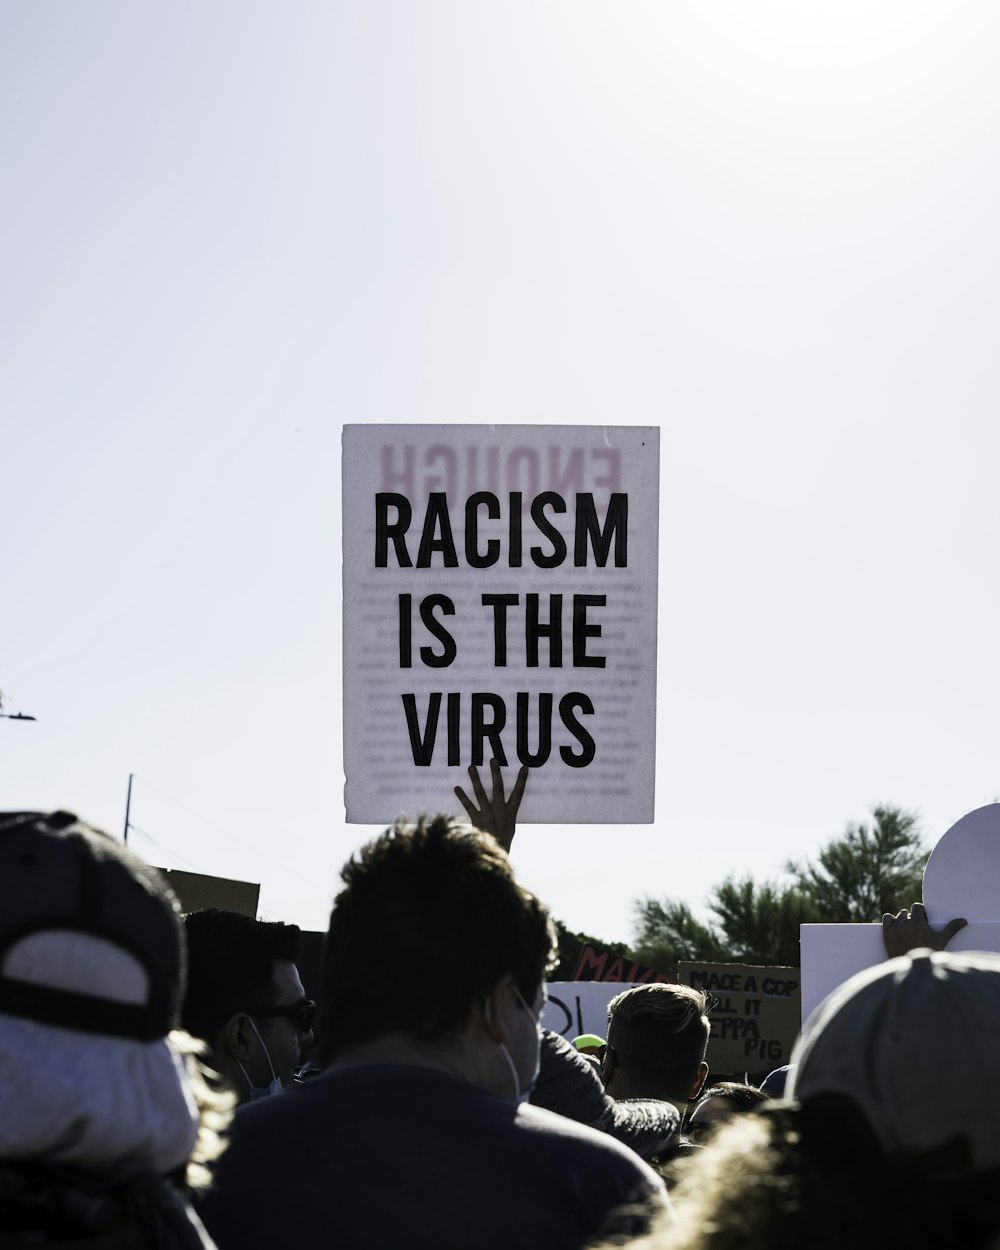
(166,1083)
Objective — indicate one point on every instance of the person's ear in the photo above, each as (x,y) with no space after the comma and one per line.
(496,1008)
(699,1081)
(236,1034)
(609,1062)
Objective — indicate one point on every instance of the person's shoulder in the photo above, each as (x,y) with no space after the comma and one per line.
(610,1174)
(268,1115)
(542,1120)
(587,1144)
(360,1089)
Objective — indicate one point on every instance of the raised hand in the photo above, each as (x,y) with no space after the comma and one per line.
(907,930)
(495,814)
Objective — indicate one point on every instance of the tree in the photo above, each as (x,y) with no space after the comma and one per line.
(867,871)
(754,922)
(761,920)
(571,947)
(667,931)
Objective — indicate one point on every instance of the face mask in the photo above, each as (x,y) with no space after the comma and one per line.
(262,1091)
(538,1049)
(518,1095)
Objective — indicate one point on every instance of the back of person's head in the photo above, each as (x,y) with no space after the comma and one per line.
(231,958)
(570,1085)
(91,976)
(743,1097)
(720,1103)
(911,1043)
(889,1134)
(429,919)
(803,1179)
(814,1177)
(657,1039)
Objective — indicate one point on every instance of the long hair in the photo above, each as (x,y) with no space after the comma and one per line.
(816,1179)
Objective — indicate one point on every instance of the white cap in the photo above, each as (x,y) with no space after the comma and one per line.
(913,1042)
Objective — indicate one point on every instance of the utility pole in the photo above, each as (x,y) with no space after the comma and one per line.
(128,805)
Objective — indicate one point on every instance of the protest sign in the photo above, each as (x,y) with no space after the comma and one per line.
(598,965)
(959,881)
(754,1013)
(576,1007)
(195,891)
(500,601)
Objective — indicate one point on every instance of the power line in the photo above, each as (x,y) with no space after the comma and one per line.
(156,842)
(200,816)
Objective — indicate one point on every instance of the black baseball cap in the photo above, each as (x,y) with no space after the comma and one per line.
(61,875)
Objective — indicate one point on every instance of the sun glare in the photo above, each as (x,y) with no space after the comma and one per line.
(834,34)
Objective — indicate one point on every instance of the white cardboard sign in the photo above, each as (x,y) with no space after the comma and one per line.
(959,880)
(575,1007)
(500,601)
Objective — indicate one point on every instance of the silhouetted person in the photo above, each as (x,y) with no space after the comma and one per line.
(416,1134)
(99,1099)
(657,1041)
(245,999)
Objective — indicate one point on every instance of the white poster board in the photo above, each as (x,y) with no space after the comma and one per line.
(959,881)
(576,1007)
(500,600)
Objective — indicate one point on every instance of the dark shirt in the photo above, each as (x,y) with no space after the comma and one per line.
(394,1156)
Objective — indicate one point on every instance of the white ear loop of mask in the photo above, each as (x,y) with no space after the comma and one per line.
(518,1096)
(257,1091)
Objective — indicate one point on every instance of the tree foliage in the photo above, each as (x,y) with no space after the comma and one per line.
(571,946)
(870,869)
(761,920)
(667,931)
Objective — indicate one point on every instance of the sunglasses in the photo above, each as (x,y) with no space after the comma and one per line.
(303,1013)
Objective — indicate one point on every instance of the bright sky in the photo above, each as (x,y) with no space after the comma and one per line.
(770,229)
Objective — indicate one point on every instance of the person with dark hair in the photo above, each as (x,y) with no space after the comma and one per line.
(569,1083)
(104,1118)
(417,1133)
(720,1103)
(456,898)
(245,998)
(657,1041)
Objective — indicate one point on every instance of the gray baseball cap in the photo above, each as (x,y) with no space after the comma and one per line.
(912,1042)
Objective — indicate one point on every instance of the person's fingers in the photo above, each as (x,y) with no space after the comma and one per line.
(953,927)
(497,777)
(918,912)
(464,800)
(888,919)
(477,787)
(518,791)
